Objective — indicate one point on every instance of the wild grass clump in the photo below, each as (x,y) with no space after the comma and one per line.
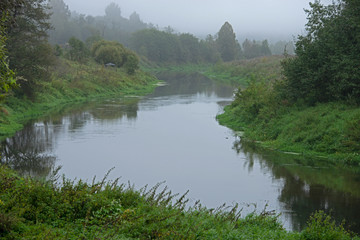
(66,209)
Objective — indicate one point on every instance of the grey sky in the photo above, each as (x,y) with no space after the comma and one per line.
(255,19)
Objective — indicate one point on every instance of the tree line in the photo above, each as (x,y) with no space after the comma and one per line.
(155,44)
(35,32)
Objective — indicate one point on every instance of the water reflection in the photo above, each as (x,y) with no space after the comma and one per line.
(308,185)
(29,151)
(189,84)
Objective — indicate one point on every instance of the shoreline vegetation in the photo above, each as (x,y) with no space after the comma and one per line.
(64,209)
(326,131)
(71,83)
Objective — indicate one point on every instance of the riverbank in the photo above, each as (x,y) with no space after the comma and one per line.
(72,82)
(327,131)
(323,132)
(51,209)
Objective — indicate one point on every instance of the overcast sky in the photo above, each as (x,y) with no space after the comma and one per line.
(254,19)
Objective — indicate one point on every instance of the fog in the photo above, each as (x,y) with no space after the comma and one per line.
(254,19)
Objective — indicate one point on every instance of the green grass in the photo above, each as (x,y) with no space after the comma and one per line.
(53,209)
(71,83)
(327,131)
(239,73)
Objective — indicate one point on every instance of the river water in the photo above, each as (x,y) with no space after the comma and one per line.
(172,135)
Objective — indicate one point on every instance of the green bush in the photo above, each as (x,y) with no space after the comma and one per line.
(322,227)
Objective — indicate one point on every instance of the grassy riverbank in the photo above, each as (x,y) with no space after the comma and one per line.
(44,209)
(72,82)
(327,130)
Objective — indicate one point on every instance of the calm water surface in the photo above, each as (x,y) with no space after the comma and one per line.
(173,136)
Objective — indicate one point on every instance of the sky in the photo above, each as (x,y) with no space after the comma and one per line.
(252,19)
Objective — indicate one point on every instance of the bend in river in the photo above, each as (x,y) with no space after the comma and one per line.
(172,135)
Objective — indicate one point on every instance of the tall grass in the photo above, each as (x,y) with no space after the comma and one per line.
(65,209)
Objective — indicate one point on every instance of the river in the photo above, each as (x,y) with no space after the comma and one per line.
(172,135)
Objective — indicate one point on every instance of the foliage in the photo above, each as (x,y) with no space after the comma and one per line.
(29,53)
(254,49)
(157,46)
(131,63)
(78,50)
(282,48)
(7,76)
(227,44)
(33,209)
(112,26)
(325,68)
(327,130)
(109,52)
(242,71)
(10,7)
(106,52)
(167,47)
(296,113)
(321,226)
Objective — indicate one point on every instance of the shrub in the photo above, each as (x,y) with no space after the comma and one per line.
(322,227)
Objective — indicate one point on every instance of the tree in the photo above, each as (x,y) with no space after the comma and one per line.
(208,50)
(29,52)
(10,8)
(60,21)
(326,64)
(131,62)
(227,44)
(265,50)
(190,48)
(78,50)
(157,46)
(109,52)
(113,52)
(7,76)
